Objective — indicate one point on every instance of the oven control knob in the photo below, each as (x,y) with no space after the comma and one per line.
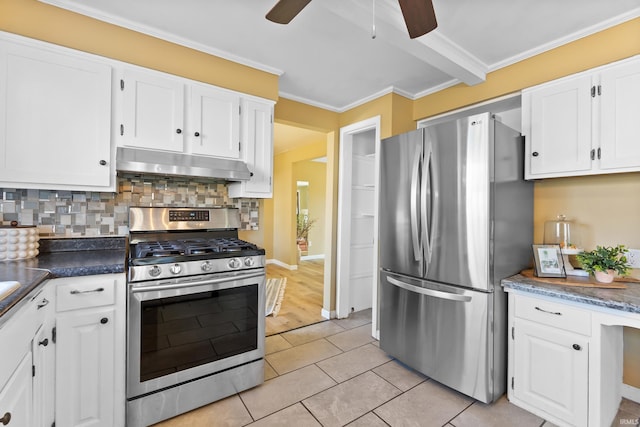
(155,271)
(175,269)
(206,266)
(248,262)
(234,263)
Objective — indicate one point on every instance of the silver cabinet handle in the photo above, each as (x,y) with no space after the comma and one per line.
(429,292)
(555,313)
(76,292)
(42,303)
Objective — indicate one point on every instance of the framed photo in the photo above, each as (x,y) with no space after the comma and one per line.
(548,261)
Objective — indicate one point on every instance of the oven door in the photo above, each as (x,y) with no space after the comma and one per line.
(183,329)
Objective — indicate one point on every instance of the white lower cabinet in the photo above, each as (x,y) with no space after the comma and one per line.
(26,398)
(90,340)
(16,396)
(549,359)
(85,369)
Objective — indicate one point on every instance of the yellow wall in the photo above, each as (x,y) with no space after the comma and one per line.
(284,199)
(37,20)
(315,173)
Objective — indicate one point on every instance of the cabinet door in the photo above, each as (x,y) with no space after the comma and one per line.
(257,150)
(43,378)
(55,119)
(214,128)
(620,110)
(551,371)
(557,125)
(153,111)
(85,373)
(15,396)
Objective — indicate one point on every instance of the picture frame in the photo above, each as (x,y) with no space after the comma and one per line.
(548,261)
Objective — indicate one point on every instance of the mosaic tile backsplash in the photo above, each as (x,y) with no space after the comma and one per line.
(80,213)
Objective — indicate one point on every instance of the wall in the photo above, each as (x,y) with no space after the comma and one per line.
(85,213)
(284,200)
(315,173)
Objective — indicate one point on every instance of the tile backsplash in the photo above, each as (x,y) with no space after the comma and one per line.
(80,213)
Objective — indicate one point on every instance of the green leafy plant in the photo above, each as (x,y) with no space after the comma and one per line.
(604,258)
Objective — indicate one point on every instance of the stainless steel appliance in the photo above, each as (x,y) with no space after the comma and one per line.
(456,217)
(195,311)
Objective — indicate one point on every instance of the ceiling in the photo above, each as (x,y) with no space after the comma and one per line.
(326,56)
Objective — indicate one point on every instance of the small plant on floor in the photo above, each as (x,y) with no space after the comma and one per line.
(604,259)
(304,224)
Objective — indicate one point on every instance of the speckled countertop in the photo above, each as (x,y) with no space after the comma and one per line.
(618,299)
(62,258)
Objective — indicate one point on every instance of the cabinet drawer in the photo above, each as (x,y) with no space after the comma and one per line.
(78,293)
(553,314)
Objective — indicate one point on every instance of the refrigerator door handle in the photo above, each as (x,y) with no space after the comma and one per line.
(429,292)
(426,208)
(415,189)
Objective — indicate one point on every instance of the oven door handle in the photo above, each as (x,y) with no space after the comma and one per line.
(196,283)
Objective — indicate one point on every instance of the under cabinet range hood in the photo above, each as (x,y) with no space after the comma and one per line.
(178,164)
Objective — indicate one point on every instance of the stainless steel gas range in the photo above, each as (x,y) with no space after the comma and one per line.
(195,311)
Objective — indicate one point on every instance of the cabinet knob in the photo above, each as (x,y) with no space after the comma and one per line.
(535,154)
(6,419)
(577,347)
(104,320)
(197,134)
(103,162)
(178,130)
(44,342)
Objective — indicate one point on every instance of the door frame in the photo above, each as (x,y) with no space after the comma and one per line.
(347,134)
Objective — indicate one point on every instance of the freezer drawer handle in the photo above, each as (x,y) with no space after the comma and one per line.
(556,313)
(429,292)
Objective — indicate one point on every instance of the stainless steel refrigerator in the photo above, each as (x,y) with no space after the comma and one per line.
(456,217)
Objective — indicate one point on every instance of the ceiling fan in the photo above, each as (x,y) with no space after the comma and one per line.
(419,15)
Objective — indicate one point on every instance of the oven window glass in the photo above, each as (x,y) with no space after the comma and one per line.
(185,331)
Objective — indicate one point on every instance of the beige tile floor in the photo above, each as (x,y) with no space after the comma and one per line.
(333,374)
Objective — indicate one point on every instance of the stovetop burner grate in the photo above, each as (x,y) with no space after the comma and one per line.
(191,247)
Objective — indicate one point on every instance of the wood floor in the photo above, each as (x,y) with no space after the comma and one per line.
(302,304)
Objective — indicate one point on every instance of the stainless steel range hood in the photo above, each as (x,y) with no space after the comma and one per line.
(178,164)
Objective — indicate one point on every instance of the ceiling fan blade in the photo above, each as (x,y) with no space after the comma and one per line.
(419,16)
(285,10)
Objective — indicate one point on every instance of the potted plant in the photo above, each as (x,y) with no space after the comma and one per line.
(302,231)
(604,261)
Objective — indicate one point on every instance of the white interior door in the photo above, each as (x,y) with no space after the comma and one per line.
(357,252)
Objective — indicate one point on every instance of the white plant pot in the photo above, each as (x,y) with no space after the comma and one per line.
(604,276)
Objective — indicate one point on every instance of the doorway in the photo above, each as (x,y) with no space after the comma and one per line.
(357,251)
(299,200)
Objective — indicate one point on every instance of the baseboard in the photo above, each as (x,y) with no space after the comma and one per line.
(282,264)
(631,392)
(328,314)
(308,257)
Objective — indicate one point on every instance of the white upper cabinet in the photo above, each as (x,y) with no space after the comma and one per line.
(620,114)
(55,118)
(257,150)
(214,128)
(169,113)
(583,124)
(152,111)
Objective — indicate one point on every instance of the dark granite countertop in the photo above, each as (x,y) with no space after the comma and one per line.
(617,299)
(62,258)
